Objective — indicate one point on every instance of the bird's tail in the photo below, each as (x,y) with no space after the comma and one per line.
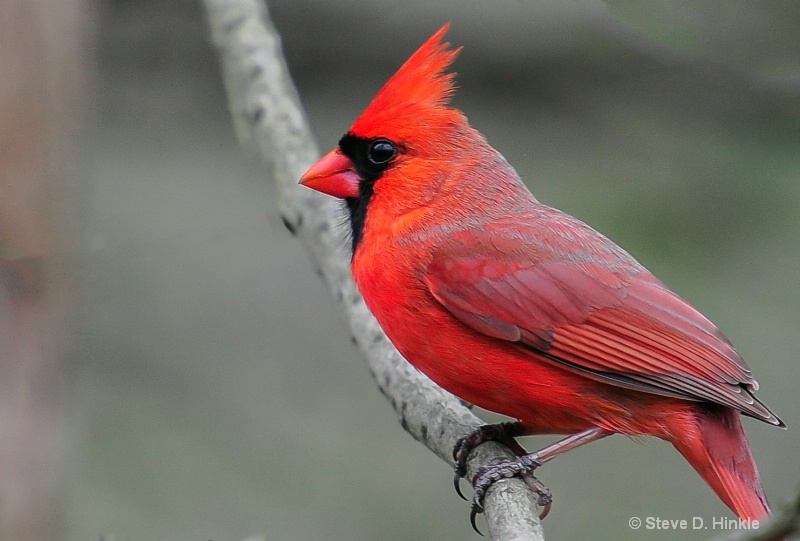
(719,451)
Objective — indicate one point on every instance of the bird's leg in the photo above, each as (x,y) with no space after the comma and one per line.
(502,433)
(524,467)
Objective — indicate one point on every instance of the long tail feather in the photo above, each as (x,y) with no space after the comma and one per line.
(721,455)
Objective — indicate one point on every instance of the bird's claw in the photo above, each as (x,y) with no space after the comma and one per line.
(545,500)
(503,433)
(522,467)
(459,475)
(460,453)
(472,515)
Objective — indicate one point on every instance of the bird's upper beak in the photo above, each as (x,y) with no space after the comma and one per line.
(334,174)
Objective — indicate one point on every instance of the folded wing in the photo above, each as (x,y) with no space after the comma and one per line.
(605,317)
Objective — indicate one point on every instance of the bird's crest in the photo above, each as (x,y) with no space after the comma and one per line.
(420,87)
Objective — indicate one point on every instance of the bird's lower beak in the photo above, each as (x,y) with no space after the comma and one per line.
(334,174)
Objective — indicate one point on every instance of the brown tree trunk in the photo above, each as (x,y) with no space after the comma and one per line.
(42,77)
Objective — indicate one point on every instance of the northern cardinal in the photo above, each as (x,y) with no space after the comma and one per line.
(520,308)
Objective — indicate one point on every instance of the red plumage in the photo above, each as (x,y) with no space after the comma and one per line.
(518,307)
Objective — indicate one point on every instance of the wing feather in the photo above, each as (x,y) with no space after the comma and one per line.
(605,317)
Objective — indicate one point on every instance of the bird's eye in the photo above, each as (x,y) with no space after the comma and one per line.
(381,152)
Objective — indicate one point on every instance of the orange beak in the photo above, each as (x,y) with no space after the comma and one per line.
(334,174)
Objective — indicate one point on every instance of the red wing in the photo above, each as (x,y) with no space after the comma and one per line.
(609,320)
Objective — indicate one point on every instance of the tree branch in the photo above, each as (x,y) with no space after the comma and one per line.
(266,112)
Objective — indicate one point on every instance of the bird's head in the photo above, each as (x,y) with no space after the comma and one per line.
(409,121)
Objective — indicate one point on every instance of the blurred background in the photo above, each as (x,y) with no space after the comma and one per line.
(172,367)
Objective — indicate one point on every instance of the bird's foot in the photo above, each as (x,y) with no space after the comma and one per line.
(522,467)
(502,433)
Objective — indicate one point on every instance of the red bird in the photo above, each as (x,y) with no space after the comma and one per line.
(520,308)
